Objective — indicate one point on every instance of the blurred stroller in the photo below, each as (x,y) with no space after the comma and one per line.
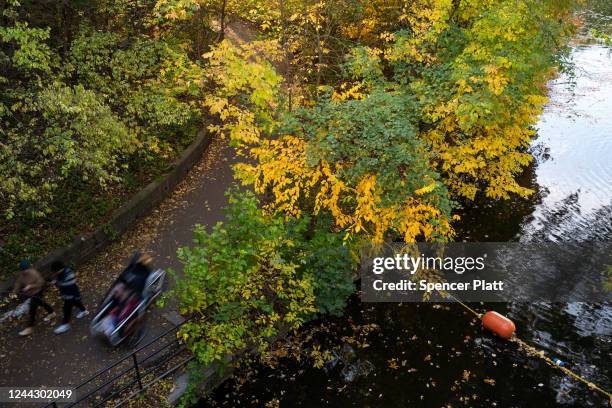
(122,312)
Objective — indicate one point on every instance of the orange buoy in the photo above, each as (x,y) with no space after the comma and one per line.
(498,324)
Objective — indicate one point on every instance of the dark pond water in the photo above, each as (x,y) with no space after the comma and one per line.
(413,355)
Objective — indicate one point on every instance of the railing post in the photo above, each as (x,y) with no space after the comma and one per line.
(137,371)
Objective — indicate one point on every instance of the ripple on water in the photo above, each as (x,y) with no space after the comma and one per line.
(576,128)
(576,176)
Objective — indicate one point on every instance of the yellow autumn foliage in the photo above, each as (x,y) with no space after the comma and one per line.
(476,105)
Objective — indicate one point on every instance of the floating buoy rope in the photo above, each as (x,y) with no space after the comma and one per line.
(499,325)
(556,364)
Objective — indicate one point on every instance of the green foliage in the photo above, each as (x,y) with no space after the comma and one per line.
(70,133)
(377,135)
(95,100)
(374,135)
(30,53)
(78,107)
(142,81)
(328,260)
(255,276)
(242,282)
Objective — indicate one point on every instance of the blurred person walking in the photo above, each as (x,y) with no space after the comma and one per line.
(136,274)
(30,283)
(65,281)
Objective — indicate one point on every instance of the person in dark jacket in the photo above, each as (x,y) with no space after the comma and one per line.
(65,281)
(30,283)
(136,274)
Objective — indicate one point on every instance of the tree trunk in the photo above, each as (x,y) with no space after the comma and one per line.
(222,18)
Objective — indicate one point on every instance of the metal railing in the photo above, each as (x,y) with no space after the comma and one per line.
(132,374)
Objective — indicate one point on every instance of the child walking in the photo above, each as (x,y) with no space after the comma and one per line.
(66,284)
